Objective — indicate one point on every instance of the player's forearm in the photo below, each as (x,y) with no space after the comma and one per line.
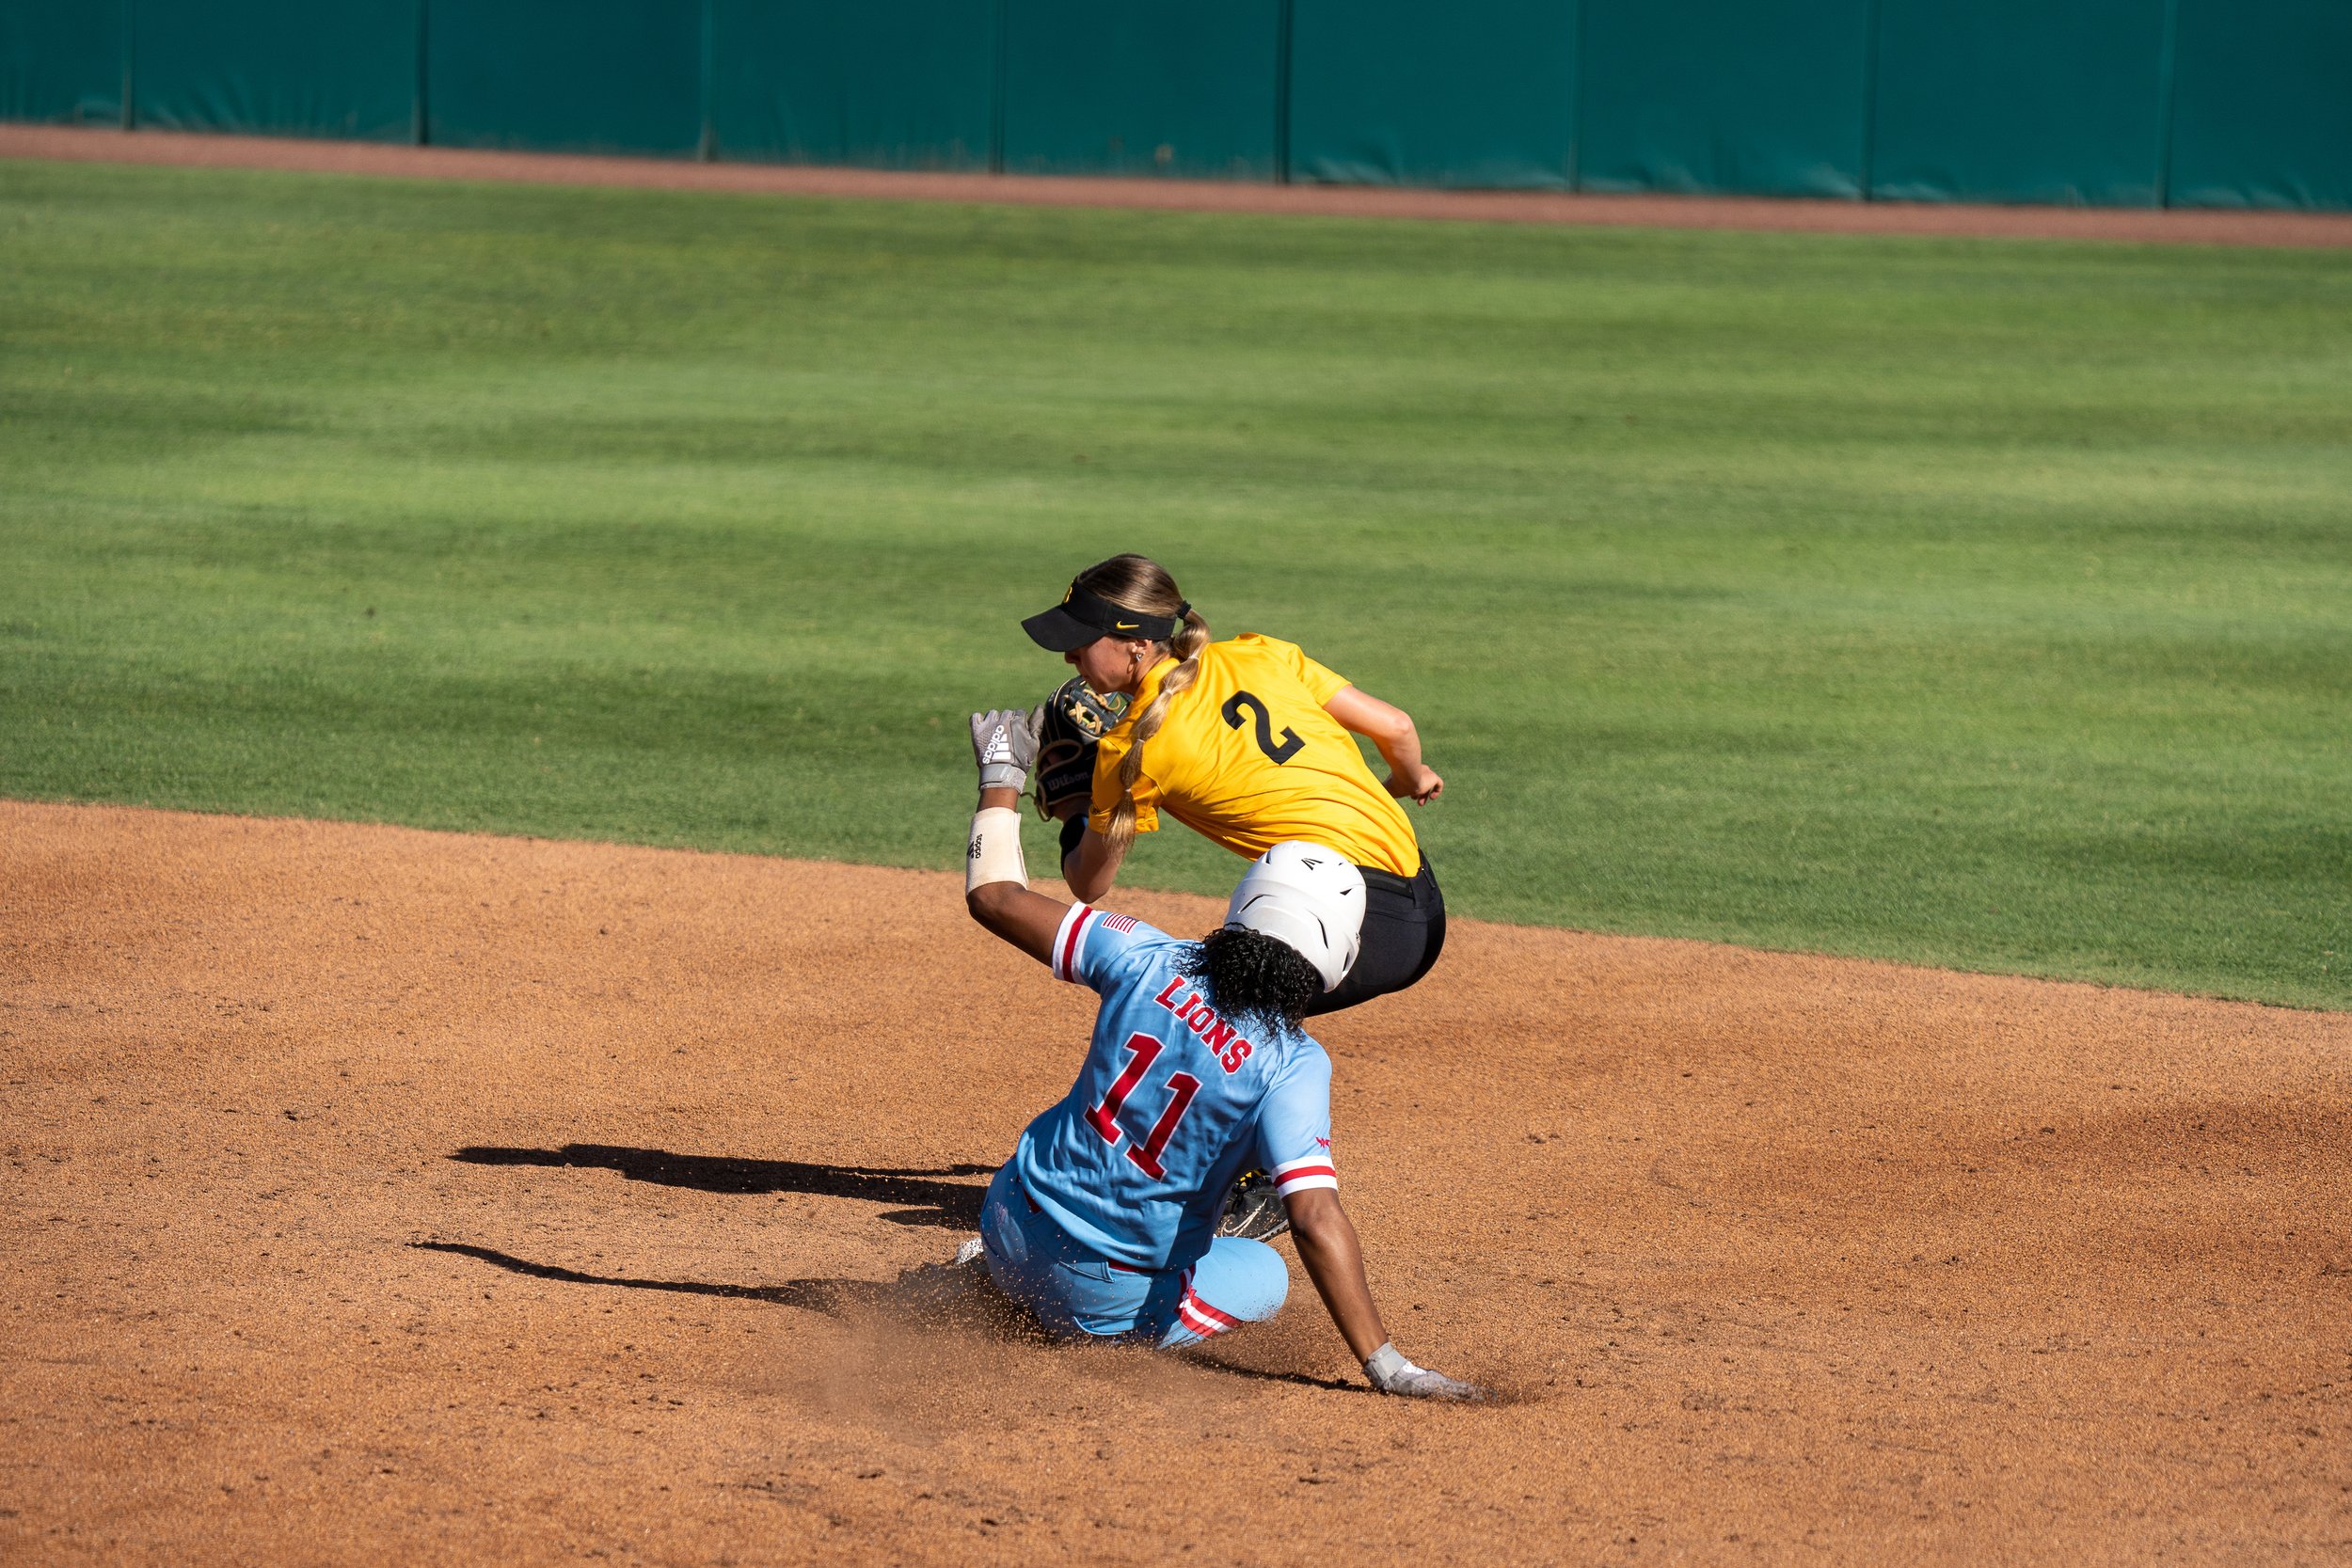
(1400,747)
(1391,729)
(993,870)
(996,878)
(1090,870)
(996,889)
(1335,1261)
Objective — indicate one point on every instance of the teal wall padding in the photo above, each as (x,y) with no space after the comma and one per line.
(2195,102)
(911,84)
(2019,101)
(2262,106)
(297,67)
(61,60)
(1141,87)
(1762,96)
(566,75)
(1473,92)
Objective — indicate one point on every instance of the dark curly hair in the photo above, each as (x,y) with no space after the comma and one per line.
(1253,979)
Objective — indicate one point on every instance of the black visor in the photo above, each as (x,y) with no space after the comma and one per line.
(1081,617)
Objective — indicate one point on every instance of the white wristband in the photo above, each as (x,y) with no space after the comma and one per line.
(994,853)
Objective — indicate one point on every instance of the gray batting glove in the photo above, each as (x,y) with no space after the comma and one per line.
(1392,1375)
(1004,742)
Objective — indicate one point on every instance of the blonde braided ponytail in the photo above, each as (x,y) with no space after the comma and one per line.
(1139,583)
(1190,638)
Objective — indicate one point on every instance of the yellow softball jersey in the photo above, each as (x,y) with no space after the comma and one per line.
(1248,756)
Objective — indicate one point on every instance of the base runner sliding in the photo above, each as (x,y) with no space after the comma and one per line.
(1103,1222)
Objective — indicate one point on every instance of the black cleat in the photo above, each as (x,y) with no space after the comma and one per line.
(1253,1209)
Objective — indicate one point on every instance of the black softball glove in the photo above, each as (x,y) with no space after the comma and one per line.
(1077,716)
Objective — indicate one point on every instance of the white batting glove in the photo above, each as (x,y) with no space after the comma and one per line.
(1004,742)
(1392,1375)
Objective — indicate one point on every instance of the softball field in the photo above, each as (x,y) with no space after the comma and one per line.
(390,1195)
(387,1196)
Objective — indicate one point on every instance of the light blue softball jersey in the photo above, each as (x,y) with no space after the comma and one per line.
(1172,1103)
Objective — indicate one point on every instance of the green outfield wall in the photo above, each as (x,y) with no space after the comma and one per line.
(1769,98)
(2052,100)
(563,75)
(910,84)
(1478,92)
(287,67)
(2125,102)
(64,62)
(1189,87)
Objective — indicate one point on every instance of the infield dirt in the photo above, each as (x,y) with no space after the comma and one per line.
(383,1196)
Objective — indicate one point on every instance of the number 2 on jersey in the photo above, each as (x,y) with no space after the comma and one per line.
(1143,1051)
(1247,702)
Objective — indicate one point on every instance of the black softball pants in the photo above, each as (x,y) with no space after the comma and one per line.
(1403,933)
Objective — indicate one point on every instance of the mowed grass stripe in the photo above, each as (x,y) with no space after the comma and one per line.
(1972,603)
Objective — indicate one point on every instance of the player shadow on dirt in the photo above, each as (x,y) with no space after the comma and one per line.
(929,1296)
(949,1205)
(939,1295)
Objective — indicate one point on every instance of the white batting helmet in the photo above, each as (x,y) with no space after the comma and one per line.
(1310,899)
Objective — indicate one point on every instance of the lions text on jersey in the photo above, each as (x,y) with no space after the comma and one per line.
(1172,1103)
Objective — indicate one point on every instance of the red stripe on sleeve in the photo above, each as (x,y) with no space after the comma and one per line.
(1070,941)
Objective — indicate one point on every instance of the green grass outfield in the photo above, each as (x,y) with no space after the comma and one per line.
(1981,604)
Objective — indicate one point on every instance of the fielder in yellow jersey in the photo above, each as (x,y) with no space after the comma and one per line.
(1249,743)
(1250,757)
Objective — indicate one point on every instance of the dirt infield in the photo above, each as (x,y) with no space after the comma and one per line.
(2179,226)
(381,1195)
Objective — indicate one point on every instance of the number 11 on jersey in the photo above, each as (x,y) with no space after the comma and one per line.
(1142,1051)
